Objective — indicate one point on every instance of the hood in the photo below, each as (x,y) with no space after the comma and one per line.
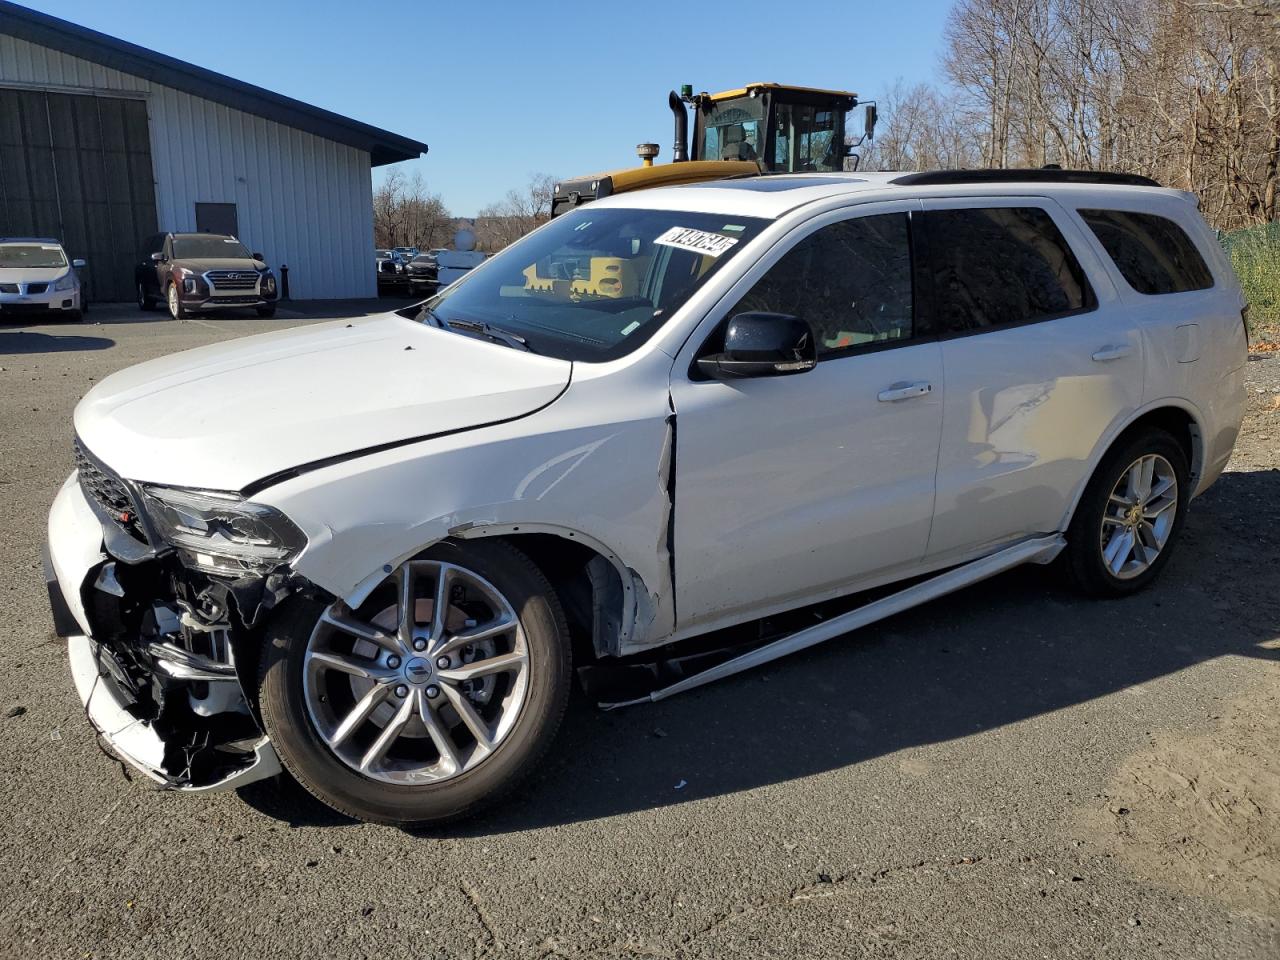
(223,416)
(31,274)
(201,264)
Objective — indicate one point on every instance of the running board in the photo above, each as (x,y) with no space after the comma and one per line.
(1040,550)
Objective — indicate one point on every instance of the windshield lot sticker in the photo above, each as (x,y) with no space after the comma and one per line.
(696,241)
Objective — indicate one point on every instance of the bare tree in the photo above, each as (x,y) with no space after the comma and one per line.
(498,224)
(405,214)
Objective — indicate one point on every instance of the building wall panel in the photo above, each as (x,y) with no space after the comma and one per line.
(301,199)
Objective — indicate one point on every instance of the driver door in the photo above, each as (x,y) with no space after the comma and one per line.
(794,488)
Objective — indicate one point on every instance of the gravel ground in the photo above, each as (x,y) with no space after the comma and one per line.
(1010,772)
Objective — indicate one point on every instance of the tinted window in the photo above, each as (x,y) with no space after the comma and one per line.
(1152,253)
(851,280)
(1002,265)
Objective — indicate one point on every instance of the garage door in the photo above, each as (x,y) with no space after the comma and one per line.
(78,168)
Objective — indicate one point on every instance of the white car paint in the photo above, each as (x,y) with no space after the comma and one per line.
(222,416)
(778,500)
(67,300)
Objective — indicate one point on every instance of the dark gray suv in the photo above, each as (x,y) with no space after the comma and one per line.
(191,272)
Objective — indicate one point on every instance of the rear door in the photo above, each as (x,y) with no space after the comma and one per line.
(795,486)
(1040,358)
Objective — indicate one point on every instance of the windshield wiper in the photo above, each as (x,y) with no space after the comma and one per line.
(489,330)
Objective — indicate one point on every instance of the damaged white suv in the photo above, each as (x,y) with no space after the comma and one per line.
(371,550)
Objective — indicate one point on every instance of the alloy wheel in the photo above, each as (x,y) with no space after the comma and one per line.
(173,301)
(425,688)
(1138,517)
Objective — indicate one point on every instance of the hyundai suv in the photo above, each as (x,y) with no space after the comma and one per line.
(192,272)
(371,551)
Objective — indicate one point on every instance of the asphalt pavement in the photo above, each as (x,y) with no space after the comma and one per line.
(936,785)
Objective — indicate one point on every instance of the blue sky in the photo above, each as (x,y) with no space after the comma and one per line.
(501,89)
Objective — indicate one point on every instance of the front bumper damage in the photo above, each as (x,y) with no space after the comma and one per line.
(162,658)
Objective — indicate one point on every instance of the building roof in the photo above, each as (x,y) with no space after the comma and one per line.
(77,41)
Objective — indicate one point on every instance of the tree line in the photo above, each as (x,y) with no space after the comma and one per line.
(407,214)
(1184,91)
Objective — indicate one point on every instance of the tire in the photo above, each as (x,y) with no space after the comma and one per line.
(73,315)
(295,699)
(1086,555)
(84,306)
(268,311)
(174,300)
(144,302)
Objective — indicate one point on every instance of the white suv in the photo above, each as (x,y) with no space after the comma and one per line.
(371,549)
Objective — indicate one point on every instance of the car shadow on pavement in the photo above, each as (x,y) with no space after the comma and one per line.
(13,342)
(1007,650)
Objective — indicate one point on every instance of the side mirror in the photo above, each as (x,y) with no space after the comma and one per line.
(78,264)
(158,257)
(258,256)
(869,122)
(763,345)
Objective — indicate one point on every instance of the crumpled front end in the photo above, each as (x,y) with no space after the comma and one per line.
(163,656)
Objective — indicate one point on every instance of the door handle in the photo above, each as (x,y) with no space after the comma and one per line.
(1116,351)
(904,391)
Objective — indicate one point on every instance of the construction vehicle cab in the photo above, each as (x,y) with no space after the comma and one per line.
(784,129)
(757,129)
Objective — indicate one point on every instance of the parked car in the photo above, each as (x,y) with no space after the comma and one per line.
(422,271)
(38,280)
(194,272)
(373,550)
(405,253)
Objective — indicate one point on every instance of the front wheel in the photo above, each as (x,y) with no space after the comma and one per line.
(268,310)
(1128,520)
(176,309)
(433,698)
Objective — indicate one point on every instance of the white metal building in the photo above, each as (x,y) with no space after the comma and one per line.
(103,143)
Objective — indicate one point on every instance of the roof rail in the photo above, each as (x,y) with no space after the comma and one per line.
(1031,175)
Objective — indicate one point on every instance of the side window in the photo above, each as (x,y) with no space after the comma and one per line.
(999,266)
(851,280)
(1152,253)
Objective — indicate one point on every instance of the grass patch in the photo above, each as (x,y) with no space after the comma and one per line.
(1255,255)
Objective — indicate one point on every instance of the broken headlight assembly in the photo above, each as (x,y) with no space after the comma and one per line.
(221,533)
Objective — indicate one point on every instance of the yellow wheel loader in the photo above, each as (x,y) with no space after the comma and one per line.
(758,129)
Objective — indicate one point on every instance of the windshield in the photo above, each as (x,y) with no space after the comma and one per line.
(804,139)
(208,248)
(28,255)
(595,283)
(731,130)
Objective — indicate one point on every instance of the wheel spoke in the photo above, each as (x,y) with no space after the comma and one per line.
(1149,537)
(1161,487)
(502,663)
(342,620)
(1112,522)
(407,606)
(473,635)
(439,734)
(359,714)
(1118,551)
(390,732)
(356,666)
(1119,501)
(440,606)
(475,723)
(1153,509)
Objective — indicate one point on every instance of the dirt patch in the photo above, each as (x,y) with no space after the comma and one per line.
(1202,814)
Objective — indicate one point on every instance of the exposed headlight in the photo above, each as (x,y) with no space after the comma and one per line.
(221,533)
(65,282)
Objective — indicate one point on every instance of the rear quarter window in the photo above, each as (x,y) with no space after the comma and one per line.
(1153,254)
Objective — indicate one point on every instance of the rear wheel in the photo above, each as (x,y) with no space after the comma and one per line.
(1128,520)
(433,698)
(144,302)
